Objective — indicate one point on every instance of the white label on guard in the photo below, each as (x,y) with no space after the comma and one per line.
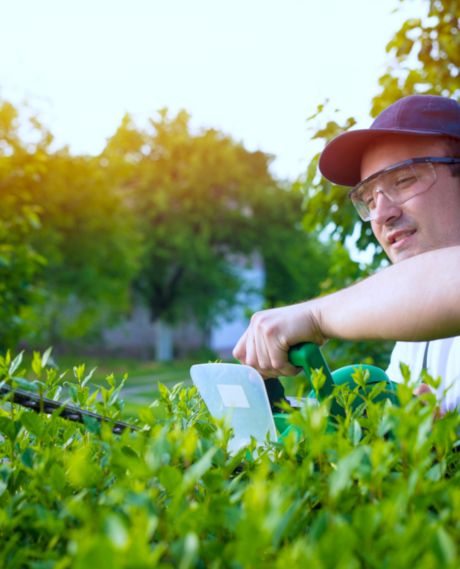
(233,395)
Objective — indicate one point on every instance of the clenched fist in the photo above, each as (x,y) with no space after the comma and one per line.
(270,334)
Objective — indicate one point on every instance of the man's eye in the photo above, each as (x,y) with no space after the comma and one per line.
(369,201)
(405,181)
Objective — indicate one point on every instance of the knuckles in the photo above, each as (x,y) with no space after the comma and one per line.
(264,323)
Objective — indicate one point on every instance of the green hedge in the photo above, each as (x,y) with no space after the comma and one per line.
(381,490)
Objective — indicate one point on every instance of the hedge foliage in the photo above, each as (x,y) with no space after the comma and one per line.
(381,489)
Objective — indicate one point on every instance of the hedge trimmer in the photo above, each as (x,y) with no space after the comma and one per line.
(234,391)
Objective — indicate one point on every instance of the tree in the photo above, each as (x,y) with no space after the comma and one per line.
(296,263)
(19,220)
(425,56)
(187,193)
(68,249)
(204,205)
(91,244)
(166,212)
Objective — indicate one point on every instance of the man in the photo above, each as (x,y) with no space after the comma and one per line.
(405,174)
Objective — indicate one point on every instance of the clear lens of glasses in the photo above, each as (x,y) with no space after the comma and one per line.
(398,186)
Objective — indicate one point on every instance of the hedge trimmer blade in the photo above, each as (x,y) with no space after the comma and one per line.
(66,411)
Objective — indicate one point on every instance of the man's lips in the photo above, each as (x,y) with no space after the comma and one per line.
(396,237)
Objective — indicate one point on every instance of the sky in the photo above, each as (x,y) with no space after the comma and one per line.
(255,69)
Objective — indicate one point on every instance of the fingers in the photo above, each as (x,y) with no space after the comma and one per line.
(239,351)
(262,355)
(263,346)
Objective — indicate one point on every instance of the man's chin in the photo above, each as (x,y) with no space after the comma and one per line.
(402,255)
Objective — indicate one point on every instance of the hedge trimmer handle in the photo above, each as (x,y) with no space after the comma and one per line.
(308,356)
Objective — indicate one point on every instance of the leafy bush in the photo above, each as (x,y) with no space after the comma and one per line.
(381,489)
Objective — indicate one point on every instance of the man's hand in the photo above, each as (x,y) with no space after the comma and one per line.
(271,333)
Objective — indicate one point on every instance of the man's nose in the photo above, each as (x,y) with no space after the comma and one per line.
(385,210)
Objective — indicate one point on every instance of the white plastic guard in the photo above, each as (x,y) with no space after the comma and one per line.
(236,393)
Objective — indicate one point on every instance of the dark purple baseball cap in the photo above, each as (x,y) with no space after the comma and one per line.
(421,115)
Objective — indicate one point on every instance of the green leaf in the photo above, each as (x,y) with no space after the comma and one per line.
(92,424)
(318,380)
(116,531)
(27,458)
(27,385)
(10,428)
(15,363)
(444,547)
(346,467)
(88,377)
(33,422)
(46,356)
(190,551)
(171,478)
(37,366)
(355,432)
(198,469)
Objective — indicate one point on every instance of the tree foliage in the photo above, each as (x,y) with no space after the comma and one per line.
(91,244)
(166,213)
(67,248)
(204,205)
(19,220)
(425,56)
(297,264)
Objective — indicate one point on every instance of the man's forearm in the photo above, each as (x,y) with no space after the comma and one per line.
(416,299)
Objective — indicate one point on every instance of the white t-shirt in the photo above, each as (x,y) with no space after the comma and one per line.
(443,360)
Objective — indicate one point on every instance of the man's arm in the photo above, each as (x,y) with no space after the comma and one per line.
(416,299)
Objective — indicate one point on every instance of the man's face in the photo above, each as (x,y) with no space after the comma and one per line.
(430,220)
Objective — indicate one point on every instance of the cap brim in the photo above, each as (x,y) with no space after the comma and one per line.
(340,161)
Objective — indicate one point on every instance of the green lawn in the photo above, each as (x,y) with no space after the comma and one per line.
(138,371)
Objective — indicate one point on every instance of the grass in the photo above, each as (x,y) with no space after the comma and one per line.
(138,371)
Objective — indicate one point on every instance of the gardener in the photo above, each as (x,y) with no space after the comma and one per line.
(405,174)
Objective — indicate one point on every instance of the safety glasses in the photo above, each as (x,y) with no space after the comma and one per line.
(398,183)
